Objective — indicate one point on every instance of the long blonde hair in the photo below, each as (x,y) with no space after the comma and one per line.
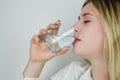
(109,12)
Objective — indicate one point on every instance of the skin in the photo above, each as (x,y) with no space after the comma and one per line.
(89,29)
(39,53)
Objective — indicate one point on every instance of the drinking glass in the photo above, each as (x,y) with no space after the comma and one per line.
(56,42)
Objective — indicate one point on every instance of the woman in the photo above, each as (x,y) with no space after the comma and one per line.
(97,40)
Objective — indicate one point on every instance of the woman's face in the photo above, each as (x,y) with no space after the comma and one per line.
(89,33)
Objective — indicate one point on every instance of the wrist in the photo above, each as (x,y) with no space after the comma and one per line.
(33,69)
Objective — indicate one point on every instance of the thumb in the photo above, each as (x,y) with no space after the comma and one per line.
(62,51)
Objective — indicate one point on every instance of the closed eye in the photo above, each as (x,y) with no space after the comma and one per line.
(85,22)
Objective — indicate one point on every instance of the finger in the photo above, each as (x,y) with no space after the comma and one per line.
(33,39)
(42,32)
(54,25)
(37,39)
(57,23)
(53,28)
(41,40)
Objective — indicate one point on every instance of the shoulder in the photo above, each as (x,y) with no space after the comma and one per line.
(71,71)
(78,66)
(81,63)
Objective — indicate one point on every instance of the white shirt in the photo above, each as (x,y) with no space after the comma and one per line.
(73,71)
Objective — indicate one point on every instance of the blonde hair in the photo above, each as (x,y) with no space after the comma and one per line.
(109,12)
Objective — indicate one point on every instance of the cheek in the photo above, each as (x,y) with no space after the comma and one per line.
(92,42)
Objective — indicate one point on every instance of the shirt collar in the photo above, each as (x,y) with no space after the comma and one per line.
(87,74)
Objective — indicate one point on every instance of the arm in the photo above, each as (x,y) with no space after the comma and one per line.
(33,69)
(40,54)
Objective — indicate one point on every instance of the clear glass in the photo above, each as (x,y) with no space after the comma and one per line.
(56,42)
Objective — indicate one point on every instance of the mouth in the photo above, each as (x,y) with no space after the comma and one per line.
(76,41)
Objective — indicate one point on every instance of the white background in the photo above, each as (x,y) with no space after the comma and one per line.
(20,20)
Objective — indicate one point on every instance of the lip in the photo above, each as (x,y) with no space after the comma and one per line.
(76,41)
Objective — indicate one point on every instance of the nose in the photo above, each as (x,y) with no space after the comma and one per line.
(75,27)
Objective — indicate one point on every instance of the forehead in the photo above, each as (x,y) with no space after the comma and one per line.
(89,8)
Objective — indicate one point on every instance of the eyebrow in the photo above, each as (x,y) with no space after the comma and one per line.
(85,14)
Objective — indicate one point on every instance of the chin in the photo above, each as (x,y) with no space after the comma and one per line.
(76,52)
(79,52)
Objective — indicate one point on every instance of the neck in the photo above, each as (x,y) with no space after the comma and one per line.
(99,69)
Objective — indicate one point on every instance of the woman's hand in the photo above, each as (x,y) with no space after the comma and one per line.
(39,52)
